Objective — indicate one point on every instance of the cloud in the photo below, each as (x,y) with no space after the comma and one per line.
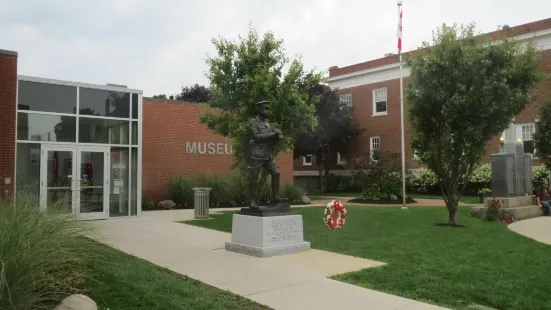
(158,46)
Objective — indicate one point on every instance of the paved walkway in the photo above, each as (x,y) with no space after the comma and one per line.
(537,228)
(296,281)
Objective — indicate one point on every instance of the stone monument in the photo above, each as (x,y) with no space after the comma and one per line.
(271,230)
(511,180)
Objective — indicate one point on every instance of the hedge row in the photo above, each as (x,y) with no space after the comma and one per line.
(226,191)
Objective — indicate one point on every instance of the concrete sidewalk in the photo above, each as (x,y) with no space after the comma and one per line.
(537,228)
(296,281)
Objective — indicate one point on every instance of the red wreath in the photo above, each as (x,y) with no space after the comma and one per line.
(335,215)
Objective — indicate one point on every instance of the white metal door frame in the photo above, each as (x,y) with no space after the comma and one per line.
(44,174)
(75,187)
(106,177)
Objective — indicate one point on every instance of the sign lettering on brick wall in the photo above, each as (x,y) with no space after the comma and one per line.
(211,148)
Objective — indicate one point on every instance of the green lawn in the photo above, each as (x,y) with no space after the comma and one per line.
(120,281)
(484,263)
(325,196)
(464,199)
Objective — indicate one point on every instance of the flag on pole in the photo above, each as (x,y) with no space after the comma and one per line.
(400,29)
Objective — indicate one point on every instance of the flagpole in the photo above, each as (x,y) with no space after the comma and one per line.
(404,206)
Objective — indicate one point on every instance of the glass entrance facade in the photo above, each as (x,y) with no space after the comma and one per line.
(79,146)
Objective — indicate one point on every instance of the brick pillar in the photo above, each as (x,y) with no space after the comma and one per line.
(8,98)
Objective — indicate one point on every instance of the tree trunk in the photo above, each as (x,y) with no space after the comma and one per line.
(319,162)
(452,204)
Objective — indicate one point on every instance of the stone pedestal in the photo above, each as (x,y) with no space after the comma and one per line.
(519,208)
(265,236)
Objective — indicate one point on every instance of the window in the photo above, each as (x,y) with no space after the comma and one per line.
(346,99)
(99,102)
(340,161)
(44,97)
(415,154)
(379,101)
(307,160)
(528,138)
(375,147)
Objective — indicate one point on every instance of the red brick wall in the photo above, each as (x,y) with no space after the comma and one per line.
(388,127)
(8,97)
(167,126)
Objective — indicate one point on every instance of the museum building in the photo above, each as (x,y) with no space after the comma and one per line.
(101,147)
(373,89)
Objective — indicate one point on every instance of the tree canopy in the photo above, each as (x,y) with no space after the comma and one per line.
(252,69)
(195,93)
(462,94)
(542,136)
(334,131)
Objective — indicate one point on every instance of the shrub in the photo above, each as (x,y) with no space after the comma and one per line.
(481,177)
(292,192)
(378,179)
(181,191)
(539,176)
(219,185)
(492,213)
(238,189)
(43,255)
(425,178)
(148,204)
(341,183)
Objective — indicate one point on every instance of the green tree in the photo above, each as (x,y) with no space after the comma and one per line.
(333,134)
(250,70)
(462,95)
(542,137)
(163,96)
(195,93)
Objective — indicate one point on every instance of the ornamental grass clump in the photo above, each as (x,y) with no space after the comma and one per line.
(43,255)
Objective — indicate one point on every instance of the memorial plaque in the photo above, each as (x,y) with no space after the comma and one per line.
(282,230)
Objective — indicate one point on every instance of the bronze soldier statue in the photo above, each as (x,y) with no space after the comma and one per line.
(263,140)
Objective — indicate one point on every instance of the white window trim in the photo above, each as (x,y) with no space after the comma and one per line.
(415,156)
(375,113)
(340,160)
(304,162)
(348,101)
(522,136)
(371,145)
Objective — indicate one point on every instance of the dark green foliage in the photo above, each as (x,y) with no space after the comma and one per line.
(542,137)
(378,179)
(463,94)
(250,70)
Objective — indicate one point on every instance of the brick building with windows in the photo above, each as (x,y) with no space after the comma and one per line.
(373,89)
(98,149)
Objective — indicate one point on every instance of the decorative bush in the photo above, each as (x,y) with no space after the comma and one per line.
(539,176)
(148,204)
(181,191)
(492,213)
(219,185)
(484,191)
(226,190)
(481,177)
(292,192)
(425,178)
(378,179)
(43,255)
(341,183)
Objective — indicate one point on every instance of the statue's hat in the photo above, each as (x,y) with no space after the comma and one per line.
(263,102)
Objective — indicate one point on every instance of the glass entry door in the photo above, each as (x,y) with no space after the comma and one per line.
(76,180)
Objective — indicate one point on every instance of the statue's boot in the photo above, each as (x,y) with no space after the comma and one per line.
(275,190)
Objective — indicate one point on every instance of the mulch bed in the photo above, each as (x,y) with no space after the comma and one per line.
(382,201)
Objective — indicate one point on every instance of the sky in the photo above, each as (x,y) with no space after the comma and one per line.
(160,46)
